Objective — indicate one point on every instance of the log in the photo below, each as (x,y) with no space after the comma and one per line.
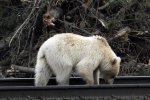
(149,61)
(142,66)
(1,75)
(23,69)
(17,68)
(122,34)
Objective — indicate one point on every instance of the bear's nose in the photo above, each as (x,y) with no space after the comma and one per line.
(110,81)
(106,82)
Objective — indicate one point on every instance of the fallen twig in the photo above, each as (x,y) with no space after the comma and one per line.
(75,27)
(106,5)
(97,15)
(149,61)
(123,33)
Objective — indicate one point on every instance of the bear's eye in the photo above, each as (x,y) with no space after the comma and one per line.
(112,77)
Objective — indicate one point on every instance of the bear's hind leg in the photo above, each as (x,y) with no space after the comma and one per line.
(42,73)
(63,76)
(42,76)
(62,80)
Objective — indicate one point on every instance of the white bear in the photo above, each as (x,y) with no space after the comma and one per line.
(89,56)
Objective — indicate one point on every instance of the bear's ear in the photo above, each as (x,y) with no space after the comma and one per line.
(114,61)
(119,59)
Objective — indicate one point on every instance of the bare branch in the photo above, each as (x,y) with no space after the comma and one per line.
(106,5)
(24,23)
(122,33)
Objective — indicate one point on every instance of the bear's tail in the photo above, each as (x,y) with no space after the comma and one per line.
(42,70)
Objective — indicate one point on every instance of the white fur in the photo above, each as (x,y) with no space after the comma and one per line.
(63,52)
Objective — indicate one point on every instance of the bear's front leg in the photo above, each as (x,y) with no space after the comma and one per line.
(96,76)
(88,77)
(86,72)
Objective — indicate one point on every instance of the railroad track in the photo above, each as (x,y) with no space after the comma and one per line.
(75,81)
(124,88)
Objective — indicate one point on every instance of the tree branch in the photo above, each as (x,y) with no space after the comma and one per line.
(123,33)
(24,23)
(106,5)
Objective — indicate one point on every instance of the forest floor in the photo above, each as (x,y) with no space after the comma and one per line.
(26,24)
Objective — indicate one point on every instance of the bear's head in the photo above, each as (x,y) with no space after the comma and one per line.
(111,70)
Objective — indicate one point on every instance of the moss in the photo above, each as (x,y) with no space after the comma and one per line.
(52,33)
(11,20)
(147,3)
(144,72)
(68,26)
(5,62)
(2,12)
(83,24)
(111,24)
(128,69)
(4,67)
(44,4)
(117,3)
(34,61)
(135,10)
(24,3)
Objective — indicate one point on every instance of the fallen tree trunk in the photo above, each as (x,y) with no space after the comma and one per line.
(23,69)
(122,34)
(16,68)
(1,75)
(149,61)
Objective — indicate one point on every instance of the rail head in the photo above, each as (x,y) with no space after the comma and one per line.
(118,77)
(76,86)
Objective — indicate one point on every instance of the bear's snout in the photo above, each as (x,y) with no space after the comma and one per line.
(109,81)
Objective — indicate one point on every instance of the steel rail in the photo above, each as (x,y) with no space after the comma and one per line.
(126,86)
(75,81)
(75,91)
